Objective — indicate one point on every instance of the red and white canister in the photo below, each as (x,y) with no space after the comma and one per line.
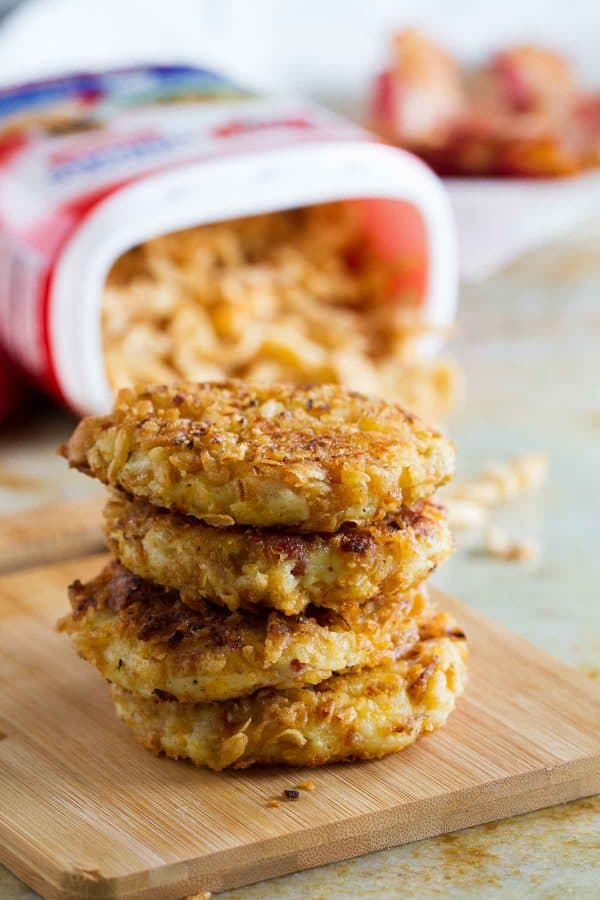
(93,164)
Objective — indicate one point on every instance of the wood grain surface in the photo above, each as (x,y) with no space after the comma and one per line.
(50,533)
(86,813)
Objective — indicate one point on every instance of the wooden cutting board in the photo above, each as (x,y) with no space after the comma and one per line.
(86,813)
(52,532)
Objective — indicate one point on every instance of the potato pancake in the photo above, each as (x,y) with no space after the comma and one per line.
(359,715)
(310,458)
(242,567)
(145,639)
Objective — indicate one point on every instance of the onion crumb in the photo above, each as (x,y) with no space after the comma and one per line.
(499,545)
(468,502)
(307,785)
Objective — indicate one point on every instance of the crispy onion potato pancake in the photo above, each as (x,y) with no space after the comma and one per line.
(242,566)
(145,639)
(359,715)
(229,453)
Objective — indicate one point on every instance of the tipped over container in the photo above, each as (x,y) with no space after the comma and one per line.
(95,164)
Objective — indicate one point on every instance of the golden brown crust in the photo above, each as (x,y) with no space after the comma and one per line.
(145,639)
(243,567)
(359,715)
(269,456)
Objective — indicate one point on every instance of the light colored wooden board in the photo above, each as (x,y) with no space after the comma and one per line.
(86,813)
(50,533)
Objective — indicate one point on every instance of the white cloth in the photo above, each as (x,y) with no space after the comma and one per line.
(498,220)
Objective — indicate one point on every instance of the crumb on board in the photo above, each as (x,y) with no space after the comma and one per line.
(468,502)
(201,895)
(307,785)
(291,794)
(499,545)
(592,673)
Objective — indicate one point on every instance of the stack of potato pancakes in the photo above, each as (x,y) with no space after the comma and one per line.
(264,603)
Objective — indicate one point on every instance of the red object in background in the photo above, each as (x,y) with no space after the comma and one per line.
(12,388)
(382,101)
(521,114)
(396,231)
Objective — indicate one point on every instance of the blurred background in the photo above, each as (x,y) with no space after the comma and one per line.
(329,50)
(517,380)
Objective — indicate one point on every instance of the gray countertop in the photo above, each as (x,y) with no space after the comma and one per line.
(529,342)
